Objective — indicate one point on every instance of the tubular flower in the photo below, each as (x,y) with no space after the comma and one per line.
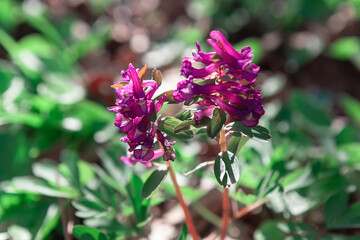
(134,108)
(226,81)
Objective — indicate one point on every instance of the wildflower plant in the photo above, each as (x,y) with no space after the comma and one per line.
(219,100)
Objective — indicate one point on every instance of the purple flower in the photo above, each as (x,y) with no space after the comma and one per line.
(133,108)
(224,61)
(132,160)
(233,77)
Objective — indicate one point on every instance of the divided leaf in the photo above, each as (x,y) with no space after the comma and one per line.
(226,169)
(260,133)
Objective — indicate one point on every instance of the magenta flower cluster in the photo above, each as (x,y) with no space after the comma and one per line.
(225,81)
(134,106)
(234,76)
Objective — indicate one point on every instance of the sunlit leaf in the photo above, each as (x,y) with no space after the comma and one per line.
(49,223)
(19,233)
(88,233)
(183,233)
(345,48)
(256,46)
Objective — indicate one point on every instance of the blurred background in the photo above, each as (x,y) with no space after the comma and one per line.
(60,150)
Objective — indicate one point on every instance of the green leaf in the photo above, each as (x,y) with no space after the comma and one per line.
(9,11)
(267,184)
(140,205)
(49,223)
(88,233)
(168,124)
(352,107)
(268,231)
(334,207)
(183,126)
(183,233)
(345,48)
(42,24)
(14,155)
(313,113)
(340,237)
(226,169)
(304,199)
(260,133)
(36,186)
(19,233)
(236,143)
(94,40)
(153,182)
(243,198)
(38,45)
(218,120)
(89,209)
(350,153)
(48,170)
(298,178)
(184,115)
(70,160)
(350,218)
(273,230)
(256,46)
(29,64)
(27,118)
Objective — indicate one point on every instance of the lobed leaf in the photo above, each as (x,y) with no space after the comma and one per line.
(260,133)
(226,169)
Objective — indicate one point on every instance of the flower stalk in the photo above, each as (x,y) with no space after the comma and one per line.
(179,195)
(225,195)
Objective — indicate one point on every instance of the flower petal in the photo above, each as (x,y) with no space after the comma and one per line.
(137,88)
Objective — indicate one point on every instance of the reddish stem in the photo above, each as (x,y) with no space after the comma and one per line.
(188,218)
(225,198)
(225,213)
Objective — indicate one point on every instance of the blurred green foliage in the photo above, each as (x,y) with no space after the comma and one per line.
(58,143)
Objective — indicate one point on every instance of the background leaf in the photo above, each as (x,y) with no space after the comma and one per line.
(153,182)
